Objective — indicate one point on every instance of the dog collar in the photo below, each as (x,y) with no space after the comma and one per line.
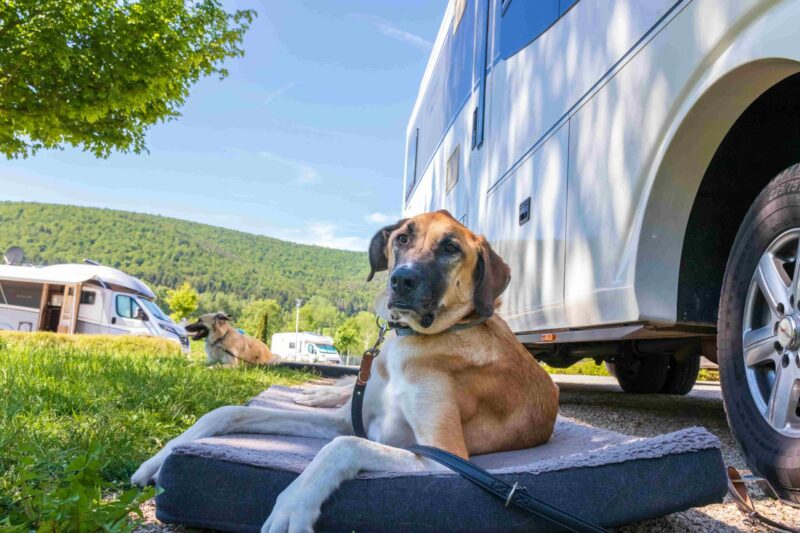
(405,331)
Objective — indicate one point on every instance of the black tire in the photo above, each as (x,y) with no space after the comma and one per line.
(641,374)
(682,375)
(768,452)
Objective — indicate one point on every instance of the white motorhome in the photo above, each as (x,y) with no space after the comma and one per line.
(635,163)
(82,298)
(305,347)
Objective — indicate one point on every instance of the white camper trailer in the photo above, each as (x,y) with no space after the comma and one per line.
(627,160)
(82,298)
(305,347)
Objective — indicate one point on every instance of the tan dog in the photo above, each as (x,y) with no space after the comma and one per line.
(225,345)
(468,391)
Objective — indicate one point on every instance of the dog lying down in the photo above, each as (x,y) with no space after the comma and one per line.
(468,390)
(225,345)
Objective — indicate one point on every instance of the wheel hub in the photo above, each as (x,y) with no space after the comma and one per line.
(787,333)
(771,335)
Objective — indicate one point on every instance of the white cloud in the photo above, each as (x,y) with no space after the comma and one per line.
(381,218)
(392,31)
(304,173)
(280,91)
(323,234)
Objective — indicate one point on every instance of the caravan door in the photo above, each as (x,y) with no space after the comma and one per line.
(69,309)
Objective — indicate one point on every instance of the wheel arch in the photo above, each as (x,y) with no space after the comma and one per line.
(691,190)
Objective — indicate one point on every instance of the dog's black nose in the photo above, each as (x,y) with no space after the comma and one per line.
(405,279)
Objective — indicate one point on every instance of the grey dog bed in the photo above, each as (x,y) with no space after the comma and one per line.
(230,482)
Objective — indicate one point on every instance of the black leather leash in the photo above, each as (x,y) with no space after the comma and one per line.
(511,494)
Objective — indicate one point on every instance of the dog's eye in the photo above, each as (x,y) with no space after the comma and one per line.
(402,238)
(451,248)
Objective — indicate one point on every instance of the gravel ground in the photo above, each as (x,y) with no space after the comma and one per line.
(599,401)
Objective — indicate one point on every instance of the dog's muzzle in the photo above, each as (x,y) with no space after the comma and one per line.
(197,331)
(414,292)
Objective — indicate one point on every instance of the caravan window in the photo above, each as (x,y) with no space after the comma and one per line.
(21,293)
(523,21)
(88,297)
(127,307)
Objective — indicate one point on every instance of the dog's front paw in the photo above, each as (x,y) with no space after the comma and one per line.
(147,473)
(323,397)
(291,514)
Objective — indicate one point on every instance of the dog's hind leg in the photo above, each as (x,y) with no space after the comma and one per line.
(239,419)
(299,505)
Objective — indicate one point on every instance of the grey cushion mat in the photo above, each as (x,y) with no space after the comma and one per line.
(230,482)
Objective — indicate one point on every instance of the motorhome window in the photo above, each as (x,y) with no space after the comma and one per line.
(291,346)
(127,307)
(155,309)
(326,348)
(88,297)
(523,21)
(22,294)
(444,97)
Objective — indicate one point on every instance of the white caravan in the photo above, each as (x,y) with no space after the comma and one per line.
(109,301)
(305,347)
(634,163)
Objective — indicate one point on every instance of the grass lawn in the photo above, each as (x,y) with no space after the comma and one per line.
(79,413)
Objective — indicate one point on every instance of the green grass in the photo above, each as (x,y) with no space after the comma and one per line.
(585,367)
(588,367)
(79,413)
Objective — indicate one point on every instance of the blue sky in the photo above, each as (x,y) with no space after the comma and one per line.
(303,141)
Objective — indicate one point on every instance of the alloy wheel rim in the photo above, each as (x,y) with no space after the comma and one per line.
(771,334)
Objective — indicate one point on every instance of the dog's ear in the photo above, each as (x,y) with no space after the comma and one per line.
(492,276)
(221,316)
(378,258)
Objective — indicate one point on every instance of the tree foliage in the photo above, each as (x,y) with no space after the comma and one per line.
(356,334)
(182,302)
(97,74)
(346,339)
(262,319)
(228,268)
(319,315)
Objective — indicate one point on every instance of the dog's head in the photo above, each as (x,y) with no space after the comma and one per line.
(206,324)
(439,272)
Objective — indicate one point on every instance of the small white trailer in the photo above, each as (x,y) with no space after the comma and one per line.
(305,347)
(82,298)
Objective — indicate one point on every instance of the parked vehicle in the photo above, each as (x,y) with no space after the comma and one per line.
(635,163)
(305,347)
(82,298)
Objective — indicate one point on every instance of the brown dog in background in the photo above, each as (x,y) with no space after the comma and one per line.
(225,345)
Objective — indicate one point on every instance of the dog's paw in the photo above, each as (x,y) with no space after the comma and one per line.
(147,473)
(323,397)
(291,514)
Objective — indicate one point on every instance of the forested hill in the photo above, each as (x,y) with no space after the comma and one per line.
(165,252)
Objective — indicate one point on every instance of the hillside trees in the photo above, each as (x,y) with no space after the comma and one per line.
(227,268)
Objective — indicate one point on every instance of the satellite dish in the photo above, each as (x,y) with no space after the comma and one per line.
(14,256)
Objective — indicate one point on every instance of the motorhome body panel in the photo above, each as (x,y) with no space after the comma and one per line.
(586,121)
